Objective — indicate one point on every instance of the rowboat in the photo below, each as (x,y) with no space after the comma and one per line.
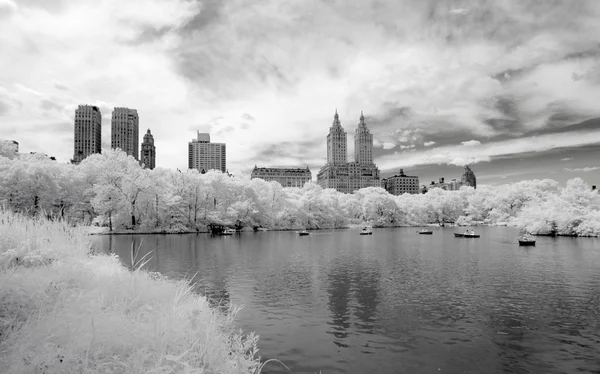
(457,235)
(366,231)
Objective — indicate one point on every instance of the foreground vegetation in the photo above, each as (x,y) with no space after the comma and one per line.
(111,189)
(64,309)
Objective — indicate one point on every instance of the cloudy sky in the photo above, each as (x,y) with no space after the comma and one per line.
(512,87)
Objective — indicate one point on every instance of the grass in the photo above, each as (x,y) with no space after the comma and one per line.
(65,309)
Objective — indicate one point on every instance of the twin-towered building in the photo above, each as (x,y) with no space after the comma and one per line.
(347,176)
(124,134)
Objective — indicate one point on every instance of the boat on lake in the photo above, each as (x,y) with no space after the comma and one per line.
(526,240)
(303,233)
(466,234)
(425,232)
(366,231)
(228,232)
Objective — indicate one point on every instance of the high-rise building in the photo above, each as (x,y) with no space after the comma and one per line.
(124,131)
(363,143)
(468,178)
(148,155)
(204,155)
(286,177)
(346,176)
(336,142)
(88,132)
(401,183)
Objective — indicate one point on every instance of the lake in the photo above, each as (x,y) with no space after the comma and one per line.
(396,301)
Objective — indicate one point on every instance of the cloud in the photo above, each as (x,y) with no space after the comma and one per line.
(584,169)
(7,8)
(471,143)
(247,117)
(461,155)
(449,72)
(566,159)
(59,85)
(459,11)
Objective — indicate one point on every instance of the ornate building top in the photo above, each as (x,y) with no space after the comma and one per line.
(468,178)
(148,138)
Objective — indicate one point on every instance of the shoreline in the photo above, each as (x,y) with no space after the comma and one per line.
(133,232)
(66,308)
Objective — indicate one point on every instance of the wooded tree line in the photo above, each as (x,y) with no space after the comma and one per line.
(112,189)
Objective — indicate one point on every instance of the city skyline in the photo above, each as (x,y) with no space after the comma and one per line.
(440,87)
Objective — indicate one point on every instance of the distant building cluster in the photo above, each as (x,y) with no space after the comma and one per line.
(344,176)
(468,179)
(401,183)
(124,134)
(204,155)
(287,177)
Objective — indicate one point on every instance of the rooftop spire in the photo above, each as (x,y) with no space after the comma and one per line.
(336,119)
(362,120)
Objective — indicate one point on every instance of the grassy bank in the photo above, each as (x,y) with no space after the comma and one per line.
(64,309)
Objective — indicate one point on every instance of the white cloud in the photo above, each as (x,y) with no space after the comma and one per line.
(566,159)
(459,11)
(428,144)
(290,64)
(471,143)
(460,155)
(584,169)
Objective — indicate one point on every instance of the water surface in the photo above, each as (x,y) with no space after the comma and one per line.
(396,301)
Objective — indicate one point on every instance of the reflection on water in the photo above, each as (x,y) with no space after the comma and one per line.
(397,302)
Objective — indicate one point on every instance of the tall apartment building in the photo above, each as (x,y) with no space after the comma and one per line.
(287,177)
(346,176)
(88,132)
(468,178)
(204,155)
(148,155)
(401,183)
(124,131)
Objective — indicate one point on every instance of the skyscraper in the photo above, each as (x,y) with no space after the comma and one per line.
(336,142)
(204,155)
(88,132)
(124,131)
(363,143)
(346,176)
(148,155)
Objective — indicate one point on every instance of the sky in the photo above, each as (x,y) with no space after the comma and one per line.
(510,87)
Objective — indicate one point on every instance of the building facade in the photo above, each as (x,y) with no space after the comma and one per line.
(125,130)
(401,183)
(204,155)
(453,185)
(344,176)
(148,155)
(287,177)
(88,132)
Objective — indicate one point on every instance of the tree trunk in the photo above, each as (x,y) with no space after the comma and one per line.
(110,221)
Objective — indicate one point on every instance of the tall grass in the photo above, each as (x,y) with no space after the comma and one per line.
(65,309)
